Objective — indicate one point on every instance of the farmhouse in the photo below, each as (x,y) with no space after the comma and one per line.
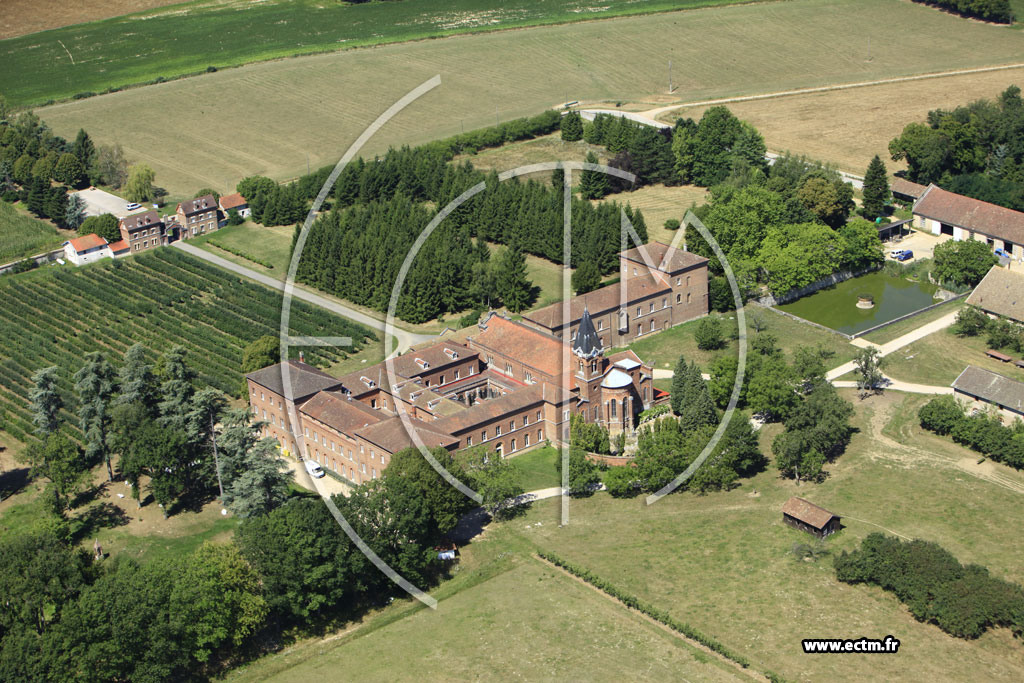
(947,213)
(509,387)
(1000,293)
(86,249)
(659,286)
(142,231)
(979,388)
(905,191)
(806,516)
(197,216)
(237,202)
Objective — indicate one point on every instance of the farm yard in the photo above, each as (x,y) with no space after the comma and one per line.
(253,126)
(22,235)
(159,299)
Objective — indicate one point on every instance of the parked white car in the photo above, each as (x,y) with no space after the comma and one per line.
(314,469)
(132,206)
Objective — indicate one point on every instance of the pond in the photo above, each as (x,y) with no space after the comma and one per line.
(836,307)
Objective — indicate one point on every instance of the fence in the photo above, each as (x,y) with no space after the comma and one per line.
(40,259)
(908,315)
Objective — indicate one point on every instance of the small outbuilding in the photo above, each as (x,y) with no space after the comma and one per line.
(86,249)
(806,516)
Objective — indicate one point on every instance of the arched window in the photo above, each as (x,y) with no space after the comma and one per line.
(613,408)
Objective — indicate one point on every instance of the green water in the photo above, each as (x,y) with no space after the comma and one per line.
(836,307)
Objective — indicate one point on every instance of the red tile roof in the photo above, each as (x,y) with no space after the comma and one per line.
(600,301)
(906,188)
(527,345)
(119,246)
(972,214)
(808,512)
(427,359)
(87,242)
(232,201)
(664,257)
(393,436)
(339,413)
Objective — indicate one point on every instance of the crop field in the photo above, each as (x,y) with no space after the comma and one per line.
(848,127)
(29,16)
(22,235)
(266,118)
(104,54)
(159,299)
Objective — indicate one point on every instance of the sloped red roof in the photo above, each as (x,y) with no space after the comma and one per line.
(232,201)
(664,257)
(808,512)
(972,214)
(600,301)
(87,242)
(119,246)
(527,345)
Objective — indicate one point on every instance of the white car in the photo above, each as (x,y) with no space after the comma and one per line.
(314,469)
(132,206)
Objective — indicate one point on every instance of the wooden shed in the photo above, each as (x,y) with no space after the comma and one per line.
(806,516)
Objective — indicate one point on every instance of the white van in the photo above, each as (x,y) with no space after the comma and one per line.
(314,469)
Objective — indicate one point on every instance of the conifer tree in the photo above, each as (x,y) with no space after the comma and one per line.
(572,126)
(586,277)
(514,287)
(45,401)
(593,184)
(176,389)
(138,384)
(94,384)
(876,189)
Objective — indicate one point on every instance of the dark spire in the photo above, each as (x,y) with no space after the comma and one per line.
(587,344)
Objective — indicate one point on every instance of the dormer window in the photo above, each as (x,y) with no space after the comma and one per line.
(422,363)
(451,353)
(368,382)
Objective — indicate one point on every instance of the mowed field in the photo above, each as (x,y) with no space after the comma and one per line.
(848,127)
(28,16)
(721,562)
(269,118)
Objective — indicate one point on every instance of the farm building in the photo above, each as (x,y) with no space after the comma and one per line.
(86,249)
(1000,293)
(806,516)
(237,202)
(947,213)
(905,191)
(980,388)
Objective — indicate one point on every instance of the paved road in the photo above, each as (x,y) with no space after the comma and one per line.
(898,343)
(99,202)
(897,385)
(405,339)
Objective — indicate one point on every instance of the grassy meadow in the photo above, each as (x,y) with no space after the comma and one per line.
(663,349)
(247,120)
(721,562)
(22,235)
(939,358)
(271,245)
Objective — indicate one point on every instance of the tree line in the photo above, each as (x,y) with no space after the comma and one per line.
(989,10)
(975,150)
(982,432)
(962,600)
(289,569)
(1001,333)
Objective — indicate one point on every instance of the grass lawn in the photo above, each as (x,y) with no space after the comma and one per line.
(659,203)
(504,616)
(22,235)
(722,561)
(896,330)
(269,245)
(940,357)
(664,348)
(255,127)
(536,468)
(544,274)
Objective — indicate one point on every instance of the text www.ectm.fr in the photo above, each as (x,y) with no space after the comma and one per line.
(840,645)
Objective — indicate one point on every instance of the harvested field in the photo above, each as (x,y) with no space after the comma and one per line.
(848,127)
(265,118)
(21,17)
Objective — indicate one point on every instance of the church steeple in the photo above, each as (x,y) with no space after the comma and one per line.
(587,344)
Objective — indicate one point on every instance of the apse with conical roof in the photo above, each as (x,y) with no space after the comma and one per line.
(587,344)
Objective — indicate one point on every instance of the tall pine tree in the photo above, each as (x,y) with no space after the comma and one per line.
(514,287)
(572,126)
(876,189)
(593,184)
(94,384)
